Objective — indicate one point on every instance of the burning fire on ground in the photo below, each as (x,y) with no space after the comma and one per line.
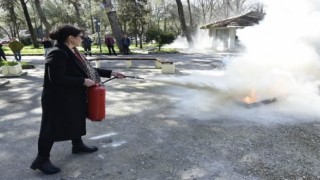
(251,100)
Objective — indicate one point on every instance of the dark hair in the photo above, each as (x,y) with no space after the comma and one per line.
(63,32)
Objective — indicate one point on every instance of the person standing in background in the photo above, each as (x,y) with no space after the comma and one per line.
(86,43)
(110,44)
(16,48)
(47,45)
(125,44)
(2,54)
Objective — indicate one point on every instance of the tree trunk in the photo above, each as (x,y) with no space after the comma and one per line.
(189,8)
(140,35)
(124,26)
(42,17)
(91,19)
(76,8)
(135,24)
(115,25)
(140,42)
(13,19)
(165,17)
(183,23)
(27,16)
(92,24)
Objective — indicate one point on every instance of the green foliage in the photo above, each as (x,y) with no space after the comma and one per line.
(153,34)
(31,50)
(24,65)
(168,50)
(160,37)
(8,63)
(165,38)
(26,40)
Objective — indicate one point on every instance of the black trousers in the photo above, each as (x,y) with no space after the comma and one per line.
(125,49)
(2,55)
(45,146)
(87,50)
(111,47)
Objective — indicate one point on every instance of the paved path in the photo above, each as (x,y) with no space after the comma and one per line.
(148,136)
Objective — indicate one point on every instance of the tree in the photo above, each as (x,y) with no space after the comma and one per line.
(161,37)
(76,5)
(42,16)
(11,19)
(183,23)
(27,16)
(152,34)
(190,15)
(114,22)
(165,38)
(132,16)
(139,19)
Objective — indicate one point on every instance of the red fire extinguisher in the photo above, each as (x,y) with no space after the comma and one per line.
(96,102)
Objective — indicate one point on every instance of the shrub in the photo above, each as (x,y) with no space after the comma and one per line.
(26,40)
(159,36)
(8,63)
(152,34)
(165,38)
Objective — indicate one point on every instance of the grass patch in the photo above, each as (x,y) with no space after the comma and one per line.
(95,49)
(24,65)
(167,50)
(30,50)
(8,63)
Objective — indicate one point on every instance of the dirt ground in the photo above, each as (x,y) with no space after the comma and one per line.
(146,136)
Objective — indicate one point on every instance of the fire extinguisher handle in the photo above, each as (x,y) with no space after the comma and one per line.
(108,80)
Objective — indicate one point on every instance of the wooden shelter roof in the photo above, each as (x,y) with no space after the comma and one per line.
(248,19)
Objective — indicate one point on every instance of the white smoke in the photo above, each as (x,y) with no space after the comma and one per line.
(201,40)
(282,61)
(282,58)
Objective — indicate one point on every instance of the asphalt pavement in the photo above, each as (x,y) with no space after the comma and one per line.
(146,135)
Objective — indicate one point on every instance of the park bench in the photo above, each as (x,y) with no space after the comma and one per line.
(167,67)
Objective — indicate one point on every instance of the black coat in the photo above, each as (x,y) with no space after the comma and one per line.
(47,44)
(64,97)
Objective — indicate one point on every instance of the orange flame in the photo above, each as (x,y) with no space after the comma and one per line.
(252,98)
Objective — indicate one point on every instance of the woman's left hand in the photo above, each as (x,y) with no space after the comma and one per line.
(118,75)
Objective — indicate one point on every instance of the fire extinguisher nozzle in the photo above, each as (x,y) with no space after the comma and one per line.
(134,77)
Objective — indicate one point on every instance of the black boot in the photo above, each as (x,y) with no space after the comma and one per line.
(44,165)
(81,147)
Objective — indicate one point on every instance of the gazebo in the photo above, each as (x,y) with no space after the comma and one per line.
(223,32)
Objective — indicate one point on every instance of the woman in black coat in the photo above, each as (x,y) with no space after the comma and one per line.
(64,97)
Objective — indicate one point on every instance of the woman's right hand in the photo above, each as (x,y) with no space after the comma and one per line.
(88,82)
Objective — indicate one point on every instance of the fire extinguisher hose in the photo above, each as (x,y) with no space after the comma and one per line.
(133,77)
(108,80)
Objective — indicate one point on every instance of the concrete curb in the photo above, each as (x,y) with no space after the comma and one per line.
(4,82)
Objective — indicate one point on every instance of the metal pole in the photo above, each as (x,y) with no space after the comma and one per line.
(98,23)
(99,42)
